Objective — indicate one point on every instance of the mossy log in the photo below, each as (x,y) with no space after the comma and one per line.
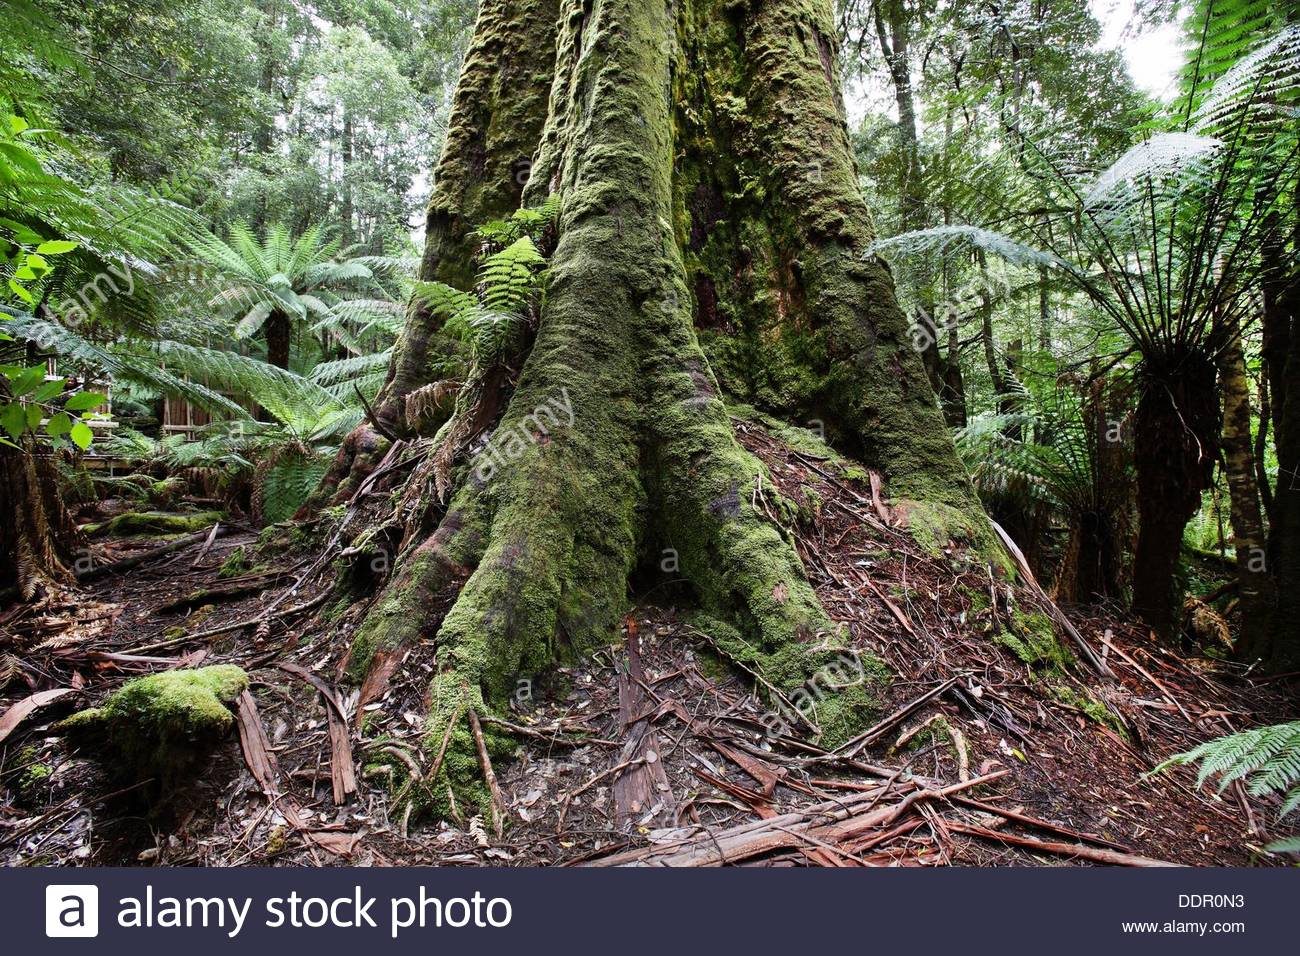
(154,524)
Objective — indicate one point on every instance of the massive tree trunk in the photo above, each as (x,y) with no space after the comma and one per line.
(700,159)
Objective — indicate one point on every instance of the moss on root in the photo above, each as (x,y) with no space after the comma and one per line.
(1084,701)
(162,725)
(825,683)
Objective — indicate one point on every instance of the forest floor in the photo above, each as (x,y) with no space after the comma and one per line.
(994,747)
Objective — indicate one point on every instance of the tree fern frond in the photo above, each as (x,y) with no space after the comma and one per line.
(941,239)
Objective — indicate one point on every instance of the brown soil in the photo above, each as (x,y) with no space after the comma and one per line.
(615,759)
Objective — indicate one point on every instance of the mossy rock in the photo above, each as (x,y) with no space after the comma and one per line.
(162,725)
(155,523)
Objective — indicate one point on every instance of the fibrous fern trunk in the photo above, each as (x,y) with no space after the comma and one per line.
(37,533)
(1176,434)
(673,130)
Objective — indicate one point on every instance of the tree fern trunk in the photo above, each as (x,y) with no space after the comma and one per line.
(37,534)
(1176,437)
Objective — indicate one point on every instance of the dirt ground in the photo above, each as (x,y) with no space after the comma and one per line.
(654,751)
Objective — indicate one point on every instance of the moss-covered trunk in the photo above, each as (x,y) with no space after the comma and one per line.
(496,121)
(699,158)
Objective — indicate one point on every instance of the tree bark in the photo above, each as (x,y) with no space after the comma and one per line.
(1282,327)
(1177,430)
(496,122)
(1247,519)
(279,336)
(37,533)
(646,148)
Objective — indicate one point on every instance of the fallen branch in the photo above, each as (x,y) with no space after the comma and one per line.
(1073,850)
(1091,656)
(875,732)
(135,560)
(831,823)
(236,626)
(498,799)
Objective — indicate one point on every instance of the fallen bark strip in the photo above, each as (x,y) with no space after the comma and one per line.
(261,762)
(343,775)
(20,711)
(645,785)
(834,823)
(126,564)
(1073,850)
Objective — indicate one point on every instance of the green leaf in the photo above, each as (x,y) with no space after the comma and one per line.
(60,424)
(28,381)
(81,435)
(35,261)
(56,247)
(84,401)
(34,416)
(19,291)
(49,390)
(17,124)
(14,420)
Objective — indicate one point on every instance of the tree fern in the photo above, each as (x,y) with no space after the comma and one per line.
(1266,758)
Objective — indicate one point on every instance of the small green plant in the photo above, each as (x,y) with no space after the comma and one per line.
(1267,757)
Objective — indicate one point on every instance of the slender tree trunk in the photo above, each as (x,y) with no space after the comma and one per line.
(645,151)
(1284,529)
(1249,541)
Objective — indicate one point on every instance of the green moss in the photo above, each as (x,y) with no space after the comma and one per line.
(935,731)
(1032,638)
(163,724)
(1090,706)
(836,688)
(155,523)
(235,565)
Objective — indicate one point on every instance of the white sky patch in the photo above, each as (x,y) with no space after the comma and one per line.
(1153,55)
